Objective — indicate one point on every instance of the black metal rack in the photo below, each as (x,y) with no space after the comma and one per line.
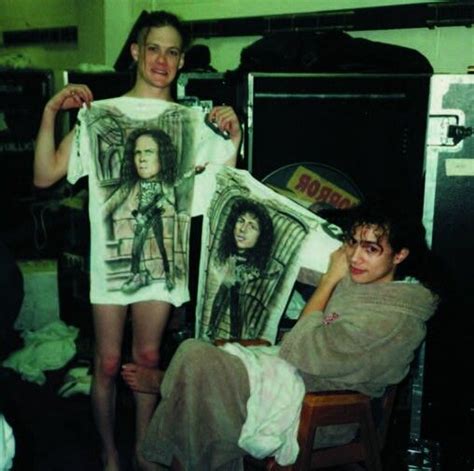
(418,15)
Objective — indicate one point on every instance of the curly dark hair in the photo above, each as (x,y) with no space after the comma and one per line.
(259,255)
(166,156)
(403,230)
(157,19)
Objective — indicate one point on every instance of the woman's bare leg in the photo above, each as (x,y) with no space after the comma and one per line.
(109,323)
(149,323)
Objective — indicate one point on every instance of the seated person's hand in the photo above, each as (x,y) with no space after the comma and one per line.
(338,265)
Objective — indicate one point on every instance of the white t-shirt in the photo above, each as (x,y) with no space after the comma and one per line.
(141,157)
(245,282)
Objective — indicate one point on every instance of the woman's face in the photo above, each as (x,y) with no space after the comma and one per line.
(246,231)
(146,157)
(370,257)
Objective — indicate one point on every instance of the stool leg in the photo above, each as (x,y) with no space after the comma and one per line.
(370,442)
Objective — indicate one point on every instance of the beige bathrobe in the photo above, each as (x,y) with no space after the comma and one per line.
(364,340)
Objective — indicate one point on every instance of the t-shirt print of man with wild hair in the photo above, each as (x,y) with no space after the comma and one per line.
(148,176)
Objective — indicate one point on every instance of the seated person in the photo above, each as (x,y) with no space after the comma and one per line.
(358,331)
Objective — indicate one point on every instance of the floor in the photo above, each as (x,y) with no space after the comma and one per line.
(57,434)
(54,433)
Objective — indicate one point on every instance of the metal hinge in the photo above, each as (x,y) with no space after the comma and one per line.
(445,130)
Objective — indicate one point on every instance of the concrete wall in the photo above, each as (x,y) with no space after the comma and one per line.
(25,14)
(209,9)
(91,21)
(449,49)
(121,15)
(103,27)
(33,14)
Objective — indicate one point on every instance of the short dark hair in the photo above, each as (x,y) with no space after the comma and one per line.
(166,155)
(157,19)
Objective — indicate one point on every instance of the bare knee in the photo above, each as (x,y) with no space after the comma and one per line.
(107,366)
(147,357)
(194,346)
(193,353)
(190,366)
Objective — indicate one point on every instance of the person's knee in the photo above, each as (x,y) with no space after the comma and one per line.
(187,367)
(193,346)
(148,357)
(192,353)
(107,365)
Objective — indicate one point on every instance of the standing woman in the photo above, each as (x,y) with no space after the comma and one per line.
(159,54)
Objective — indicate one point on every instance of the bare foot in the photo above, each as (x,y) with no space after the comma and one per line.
(142,379)
(141,464)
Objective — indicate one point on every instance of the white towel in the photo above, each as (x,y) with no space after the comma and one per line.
(274,405)
(7,445)
(48,348)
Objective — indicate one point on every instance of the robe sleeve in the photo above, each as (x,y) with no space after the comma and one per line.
(365,335)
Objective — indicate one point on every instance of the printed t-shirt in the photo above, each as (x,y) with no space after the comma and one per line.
(254,243)
(141,156)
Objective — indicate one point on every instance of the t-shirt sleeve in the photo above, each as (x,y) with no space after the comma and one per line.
(204,188)
(367,334)
(317,248)
(80,151)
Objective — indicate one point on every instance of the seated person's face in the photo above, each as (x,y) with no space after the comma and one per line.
(370,257)
(246,231)
(146,157)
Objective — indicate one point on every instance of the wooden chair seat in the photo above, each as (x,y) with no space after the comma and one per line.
(337,408)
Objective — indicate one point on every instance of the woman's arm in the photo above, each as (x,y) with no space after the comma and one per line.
(338,268)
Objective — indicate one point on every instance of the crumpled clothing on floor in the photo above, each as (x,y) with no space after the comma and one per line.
(77,381)
(48,348)
(7,445)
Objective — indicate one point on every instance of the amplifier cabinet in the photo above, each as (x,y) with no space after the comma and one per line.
(370,127)
(213,87)
(23,94)
(449,218)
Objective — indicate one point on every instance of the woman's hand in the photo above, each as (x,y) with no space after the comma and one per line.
(338,268)
(338,265)
(71,96)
